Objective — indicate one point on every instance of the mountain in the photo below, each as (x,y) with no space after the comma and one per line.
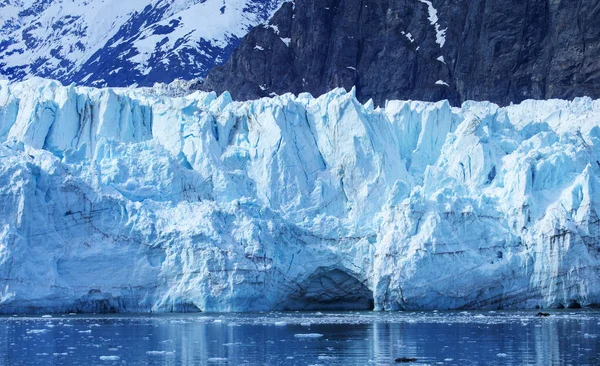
(496,50)
(128,200)
(120,43)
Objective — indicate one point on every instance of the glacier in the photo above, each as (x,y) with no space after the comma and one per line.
(131,200)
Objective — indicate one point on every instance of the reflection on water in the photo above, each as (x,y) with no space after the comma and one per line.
(477,338)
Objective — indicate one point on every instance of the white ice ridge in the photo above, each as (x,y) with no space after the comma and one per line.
(126,200)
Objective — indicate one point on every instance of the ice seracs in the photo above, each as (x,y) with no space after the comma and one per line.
(133,200)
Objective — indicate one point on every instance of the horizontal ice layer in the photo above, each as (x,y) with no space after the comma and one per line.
(125,200)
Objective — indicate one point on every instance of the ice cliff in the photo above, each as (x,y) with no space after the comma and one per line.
(131,201)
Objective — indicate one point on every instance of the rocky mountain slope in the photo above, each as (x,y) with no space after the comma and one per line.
(120,43)
(501,51)
(131,201)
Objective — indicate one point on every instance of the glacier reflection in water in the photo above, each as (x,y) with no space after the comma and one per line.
(346,338)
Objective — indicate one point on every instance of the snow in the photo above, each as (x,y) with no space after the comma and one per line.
(287,41)
(409,36)
(434,20)
(75,32)
(133,200)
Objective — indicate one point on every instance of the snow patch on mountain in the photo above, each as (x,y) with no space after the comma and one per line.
(440,34)
(121,43)
(133,200)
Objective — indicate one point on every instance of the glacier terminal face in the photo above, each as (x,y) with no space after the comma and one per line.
(127,200)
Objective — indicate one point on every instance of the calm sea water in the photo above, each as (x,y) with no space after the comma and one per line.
(444,338)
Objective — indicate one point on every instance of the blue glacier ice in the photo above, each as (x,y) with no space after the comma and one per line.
(130,200)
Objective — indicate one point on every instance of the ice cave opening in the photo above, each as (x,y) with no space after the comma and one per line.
(331,289)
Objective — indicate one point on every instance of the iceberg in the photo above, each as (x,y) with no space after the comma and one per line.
(127,200)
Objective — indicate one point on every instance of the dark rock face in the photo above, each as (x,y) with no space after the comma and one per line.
(502,51)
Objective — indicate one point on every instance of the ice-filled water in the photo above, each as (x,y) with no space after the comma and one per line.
(344,338)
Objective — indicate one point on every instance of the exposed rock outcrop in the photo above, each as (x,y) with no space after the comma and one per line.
(501,51)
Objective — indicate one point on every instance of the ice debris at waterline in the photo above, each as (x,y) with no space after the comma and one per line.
(123,200)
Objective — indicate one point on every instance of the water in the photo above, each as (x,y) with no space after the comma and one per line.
(444,338)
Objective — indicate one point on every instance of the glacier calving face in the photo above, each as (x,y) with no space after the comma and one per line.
(125,200)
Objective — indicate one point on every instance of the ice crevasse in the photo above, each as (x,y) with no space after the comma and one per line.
(128,200)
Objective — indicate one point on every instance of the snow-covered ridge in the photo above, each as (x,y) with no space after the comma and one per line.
(129,200)
(122,42)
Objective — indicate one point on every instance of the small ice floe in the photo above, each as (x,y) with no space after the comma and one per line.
(587,335)
(305,324)
(109,358)
(324,357)
(280,324)
(37,331)
(46,316)
(85,331)
(217,321)
(501,355)
(56,354)
(217,359)
(160,353)
(308,335)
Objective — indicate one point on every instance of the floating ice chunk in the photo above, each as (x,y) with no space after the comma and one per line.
(109,358)
(501,355)
(217,359)
(160,353)
(37,331)
(308,335)
(325,357)
(281,324)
